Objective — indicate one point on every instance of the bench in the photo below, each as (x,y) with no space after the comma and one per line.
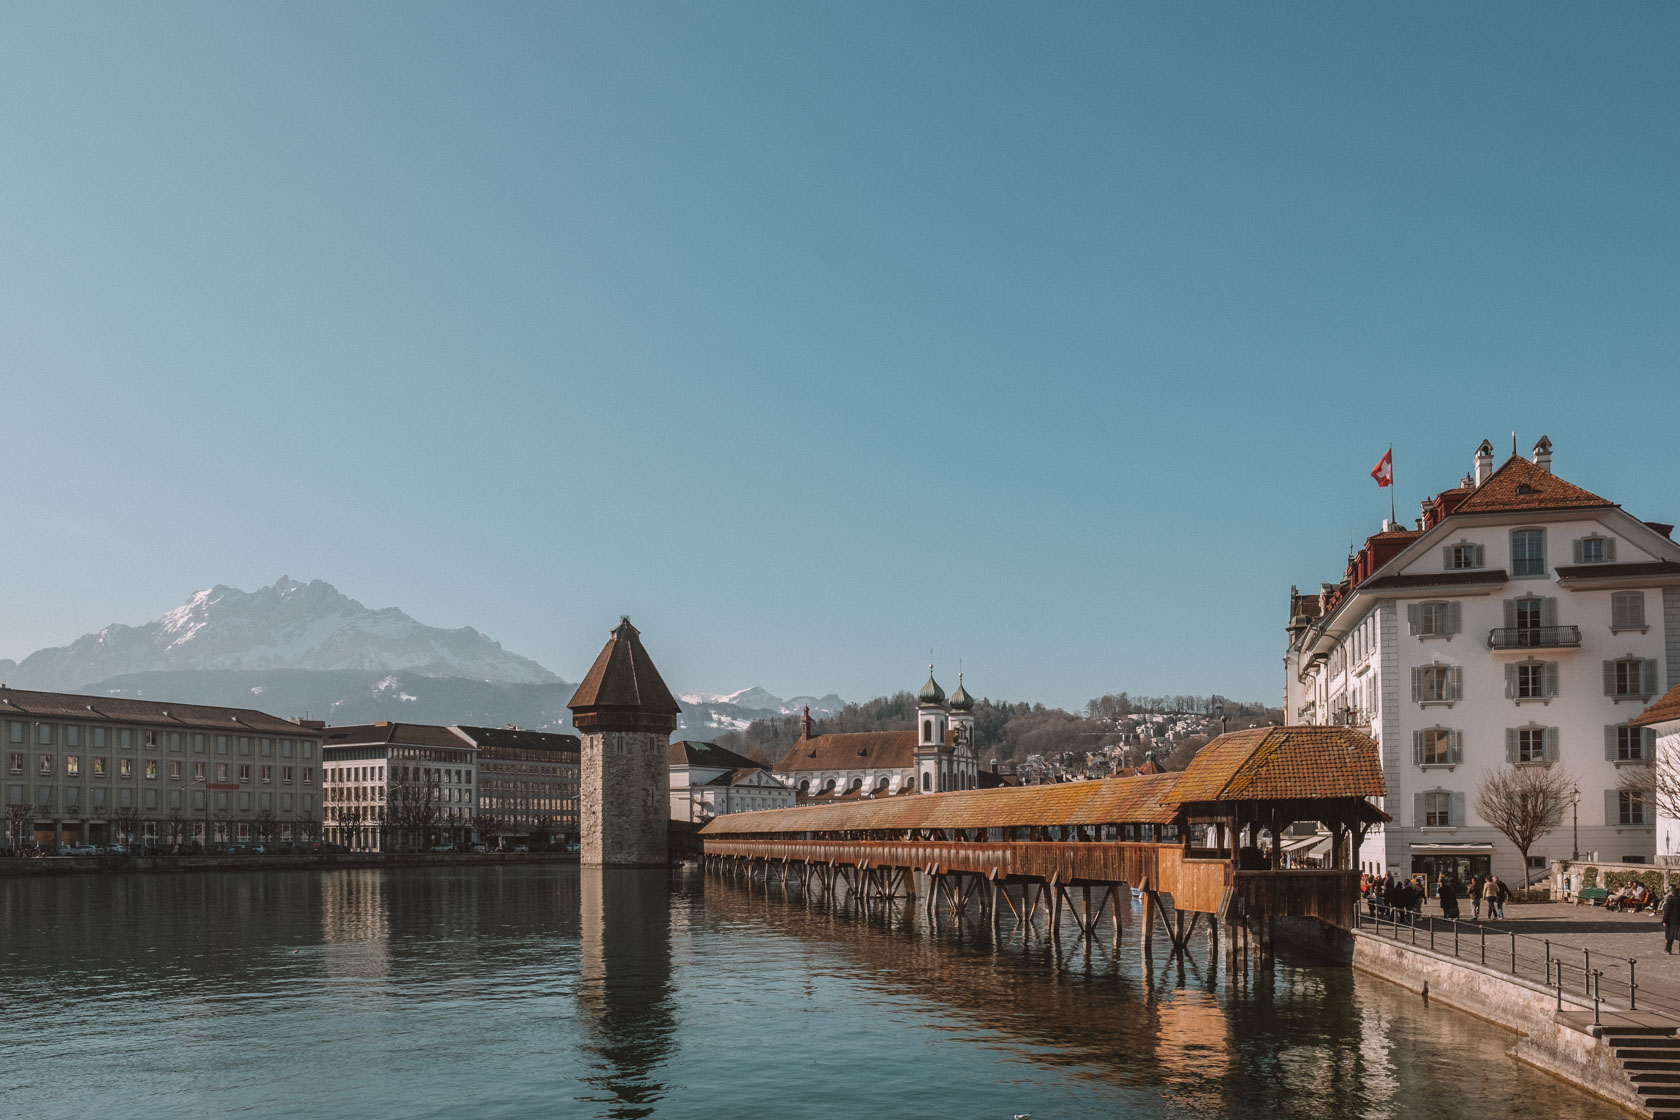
(1591,896)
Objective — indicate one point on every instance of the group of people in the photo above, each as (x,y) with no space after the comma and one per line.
(1487,891)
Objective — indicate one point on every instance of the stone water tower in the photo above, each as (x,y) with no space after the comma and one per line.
(625,715)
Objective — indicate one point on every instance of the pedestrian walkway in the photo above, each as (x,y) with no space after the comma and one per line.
(1582,936)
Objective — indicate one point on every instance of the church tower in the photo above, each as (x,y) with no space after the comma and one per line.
(965,764)
(625,715)
(932,759)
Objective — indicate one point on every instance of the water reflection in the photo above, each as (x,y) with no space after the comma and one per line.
(625,988)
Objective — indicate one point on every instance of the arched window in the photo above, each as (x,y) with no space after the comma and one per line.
(927,731)
(805,786)
(881,786)
(926,783)
(857,783)
(828,786)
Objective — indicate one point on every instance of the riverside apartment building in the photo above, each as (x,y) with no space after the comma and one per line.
(1524,621)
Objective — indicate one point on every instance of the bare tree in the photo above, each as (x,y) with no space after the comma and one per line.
(126,823)
(1658,785)
(1524,803)
(267,824)
(20,818)
(542,827)
(174,828)
(350,818)
(486,824)
(307,828)
(412,802)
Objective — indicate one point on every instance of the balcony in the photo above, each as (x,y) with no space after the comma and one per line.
(1534,637)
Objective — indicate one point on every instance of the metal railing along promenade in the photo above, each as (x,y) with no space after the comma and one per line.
(1577,974)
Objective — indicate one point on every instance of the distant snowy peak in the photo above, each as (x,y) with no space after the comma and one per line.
(762,703)
(289,625)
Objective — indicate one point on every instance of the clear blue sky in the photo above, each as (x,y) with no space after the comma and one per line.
(1057,338)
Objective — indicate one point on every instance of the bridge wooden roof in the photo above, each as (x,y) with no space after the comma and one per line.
(1264,764)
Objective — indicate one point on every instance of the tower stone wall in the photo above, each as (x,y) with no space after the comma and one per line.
(625,715)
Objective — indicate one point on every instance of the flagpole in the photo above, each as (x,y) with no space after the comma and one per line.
(1394,520)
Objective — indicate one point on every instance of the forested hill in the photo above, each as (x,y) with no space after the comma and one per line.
(1172,726)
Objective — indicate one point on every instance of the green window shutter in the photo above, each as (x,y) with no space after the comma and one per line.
(1510,614)
(1548,612)
(1455,747)
(1455,682)
(1610,734)
(1417,685)
(1479,555)
(1580,551)
(1552,668)
(1417,748)
(1550,741)
(1510,682)
(1452,624)
(1412,612)
(1457,811)
(1648,676)
(1610,550)
(1447,557)
(1418,814)
(1609,678)
(1612,808)
(1511,745)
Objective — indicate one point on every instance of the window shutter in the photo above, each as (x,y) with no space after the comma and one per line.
(1455,747)
(1452,623)
(1455,681)
(1648,743)
(1511,745)
(1417,685)
(1412,610)
(1610,550)
(1479,560)
(1510,614)
(1548,612)
(1447,557)
(1612,810)
(1456,816)
(1550,743)
(1580,551)
(1609,678)
(1648,676)
(1510,682)
(1609,742)
(1417,748)
(1551,683)
(1418,814)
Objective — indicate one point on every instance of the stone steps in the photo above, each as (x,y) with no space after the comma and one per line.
(1650,1058)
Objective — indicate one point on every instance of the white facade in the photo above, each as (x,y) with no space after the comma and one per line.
(1507,634)
(708,781)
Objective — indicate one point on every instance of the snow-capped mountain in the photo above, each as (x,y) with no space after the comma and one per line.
(289,625)
(761,704)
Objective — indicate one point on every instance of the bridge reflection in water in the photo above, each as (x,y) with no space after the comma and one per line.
(1188,842)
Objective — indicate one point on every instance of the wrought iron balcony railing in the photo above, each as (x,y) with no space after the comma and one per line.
(1534,637)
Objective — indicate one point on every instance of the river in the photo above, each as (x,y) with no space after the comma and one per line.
(513,992)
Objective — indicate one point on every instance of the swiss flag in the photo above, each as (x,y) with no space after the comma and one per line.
(1383,472)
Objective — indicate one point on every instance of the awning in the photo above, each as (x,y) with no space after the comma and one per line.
(1310,846)
(1450,849)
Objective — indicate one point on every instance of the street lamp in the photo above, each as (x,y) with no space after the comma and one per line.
(1574,825)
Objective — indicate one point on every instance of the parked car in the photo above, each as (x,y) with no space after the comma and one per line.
(477,848)
(78,850)
(521,847)
(444,848)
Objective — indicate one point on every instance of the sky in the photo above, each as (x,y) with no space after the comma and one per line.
(1058,340)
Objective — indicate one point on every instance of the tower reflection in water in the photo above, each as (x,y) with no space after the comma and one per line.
(624,991)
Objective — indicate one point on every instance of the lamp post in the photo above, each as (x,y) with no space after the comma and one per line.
(1574,825)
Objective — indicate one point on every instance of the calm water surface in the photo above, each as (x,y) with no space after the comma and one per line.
(543,992)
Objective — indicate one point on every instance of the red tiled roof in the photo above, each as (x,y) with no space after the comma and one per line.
(1520,485)
(1666,707)
(853,750)
(1436,579)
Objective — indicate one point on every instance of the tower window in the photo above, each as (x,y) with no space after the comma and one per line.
(927,731)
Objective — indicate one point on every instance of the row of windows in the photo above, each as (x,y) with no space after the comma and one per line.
(1446,809)
(1444,746)
(98,766)
(1625,678)
(126,738)
(47,798)
(1528,552)
(1528,614)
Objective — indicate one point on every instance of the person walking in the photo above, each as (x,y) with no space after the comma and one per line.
(1476,897)
(1671,918)
(1501,895)
(1490,895)
(1448,894)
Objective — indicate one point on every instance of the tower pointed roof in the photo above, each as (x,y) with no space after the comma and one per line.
(623,691)
(961,701)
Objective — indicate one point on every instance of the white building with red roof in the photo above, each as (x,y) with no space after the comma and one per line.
(1524,621)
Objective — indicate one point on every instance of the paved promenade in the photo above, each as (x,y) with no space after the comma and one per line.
(1570,929)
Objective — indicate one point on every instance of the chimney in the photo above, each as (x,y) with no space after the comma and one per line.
(1484,463)
(805,723)
(1543,454)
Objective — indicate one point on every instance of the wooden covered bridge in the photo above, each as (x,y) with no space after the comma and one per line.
(1191,839)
